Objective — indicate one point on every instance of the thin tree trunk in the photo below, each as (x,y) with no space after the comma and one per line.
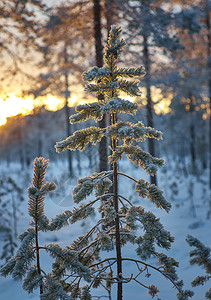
(89,154)
(117,230)
(108,13)
(116,207)
(209,77)
(204,142)
(8,157)
(67,114)
(192,137)
(40,144)
(192,146)
(14,211)
(149,99)
(22,156)
(68,131)
(37,251)
(22,160)
(99,62)
(78,158)
(183,160)
(98,33)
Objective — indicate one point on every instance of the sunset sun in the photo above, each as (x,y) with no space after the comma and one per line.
(14,105)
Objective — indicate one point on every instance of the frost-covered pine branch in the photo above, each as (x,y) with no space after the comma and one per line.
(201,256)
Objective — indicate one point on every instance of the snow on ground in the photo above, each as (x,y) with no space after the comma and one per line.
(189,197)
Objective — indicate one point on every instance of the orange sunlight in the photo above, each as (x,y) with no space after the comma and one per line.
(161,103)
(14,105)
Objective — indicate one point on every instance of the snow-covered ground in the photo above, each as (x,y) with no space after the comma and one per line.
(189,197)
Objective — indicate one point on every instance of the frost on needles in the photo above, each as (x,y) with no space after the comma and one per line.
(25,265)
(121,221)
(82,267)
(201,256)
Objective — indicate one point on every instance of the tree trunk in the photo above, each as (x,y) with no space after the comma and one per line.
(99,62)
(108,14)
(183,160)
(67,114)
(192,146)
(117,229)
(149,99)
(8,157)
(22,160)
(40,144)
(78,158)
(192,137)
(209,77)
(14,214)
(68,131)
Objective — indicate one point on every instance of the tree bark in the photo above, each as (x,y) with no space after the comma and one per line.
(99,62)
(108,14)
(209,78)
(116,206)
(67,114)
(149,98)
(117,229)
(40,144)
(192,137)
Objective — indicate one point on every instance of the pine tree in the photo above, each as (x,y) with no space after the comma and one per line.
(200,256)
(21,264)
(25,265)
(78,267)
(120,217)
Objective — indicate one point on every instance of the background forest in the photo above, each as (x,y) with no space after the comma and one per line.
(45,46)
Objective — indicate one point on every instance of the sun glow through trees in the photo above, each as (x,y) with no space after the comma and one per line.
(13,105)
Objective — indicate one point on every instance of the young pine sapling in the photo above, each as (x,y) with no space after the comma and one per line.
(25,264)
(120,219)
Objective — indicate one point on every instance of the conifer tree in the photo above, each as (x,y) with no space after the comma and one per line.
(78,268)
(25,265)
(21,264)
(200,256)
(120,217)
